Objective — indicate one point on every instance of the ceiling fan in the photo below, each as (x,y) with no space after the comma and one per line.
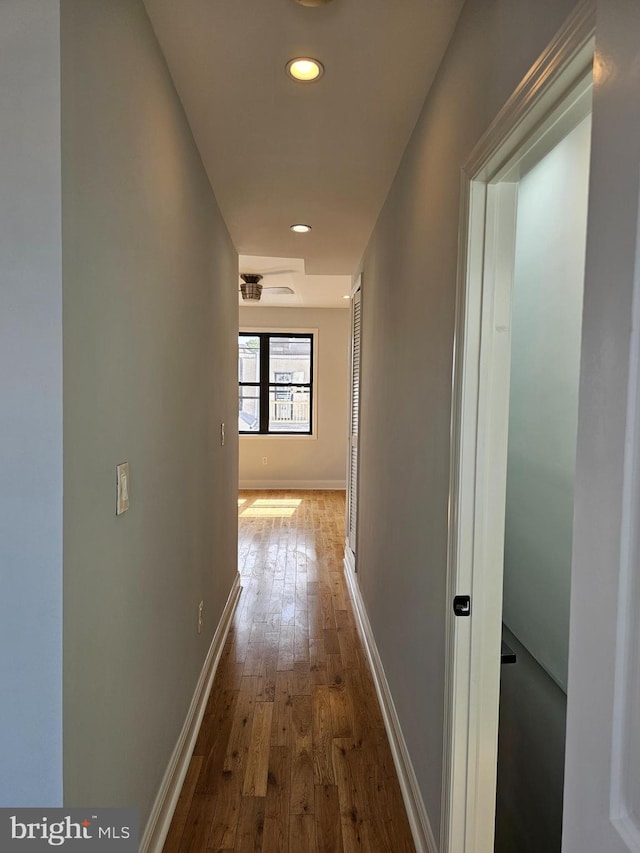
(251,289)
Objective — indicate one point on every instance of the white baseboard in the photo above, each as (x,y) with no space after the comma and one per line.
(423,837)
(162,812)
(325,485)
(350,560)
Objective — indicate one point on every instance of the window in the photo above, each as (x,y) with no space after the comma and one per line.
(275,383)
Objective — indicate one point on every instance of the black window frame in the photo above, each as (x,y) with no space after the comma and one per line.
(264,386)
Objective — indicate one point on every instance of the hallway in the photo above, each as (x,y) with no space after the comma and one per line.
(292,754)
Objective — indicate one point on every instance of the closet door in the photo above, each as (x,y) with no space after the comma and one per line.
(352,480)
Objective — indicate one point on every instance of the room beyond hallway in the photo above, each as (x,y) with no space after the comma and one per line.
(292,754)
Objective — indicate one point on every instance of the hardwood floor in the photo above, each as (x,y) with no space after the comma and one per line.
(292,755)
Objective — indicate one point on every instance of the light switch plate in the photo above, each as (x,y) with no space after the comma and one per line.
(122,488)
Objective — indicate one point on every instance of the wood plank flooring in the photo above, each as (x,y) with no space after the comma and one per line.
(292,755)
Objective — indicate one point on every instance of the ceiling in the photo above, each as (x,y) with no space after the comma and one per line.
(309,291)
(279,152)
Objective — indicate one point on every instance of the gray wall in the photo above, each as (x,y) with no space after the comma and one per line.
(321,460)
(543,406)
(409,281)
(30,405)
(603,663)
(150,347)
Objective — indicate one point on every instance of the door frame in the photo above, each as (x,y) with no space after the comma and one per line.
(479,426)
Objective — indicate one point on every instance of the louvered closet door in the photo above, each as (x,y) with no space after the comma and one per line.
(356,314)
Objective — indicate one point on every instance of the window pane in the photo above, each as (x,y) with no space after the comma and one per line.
(289,409)
(249,410)
(248,358)
(289,359)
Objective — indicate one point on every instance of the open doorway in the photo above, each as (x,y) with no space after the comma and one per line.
(546,314)
(293,387)
(513,459)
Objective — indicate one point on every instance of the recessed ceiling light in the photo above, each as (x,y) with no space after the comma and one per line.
(304,69)
(345,297)
(300,228)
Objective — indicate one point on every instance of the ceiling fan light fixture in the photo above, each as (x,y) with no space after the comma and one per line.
(251,289)
(304,69)
(300,228)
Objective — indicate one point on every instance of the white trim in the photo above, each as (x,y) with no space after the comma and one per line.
(570,50)
(243,329)
(461,514)
(474,563)
(356,283)
(423,836)
(326,485)
(485,540)
(349,557)
(162,812)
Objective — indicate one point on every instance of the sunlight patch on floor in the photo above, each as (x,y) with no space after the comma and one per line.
(269,507)
(268,512)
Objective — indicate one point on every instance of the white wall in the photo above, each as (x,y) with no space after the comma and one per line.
(543,406)
(409,287)
(604,682)
(30,405)
(150,348)
(305,462)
